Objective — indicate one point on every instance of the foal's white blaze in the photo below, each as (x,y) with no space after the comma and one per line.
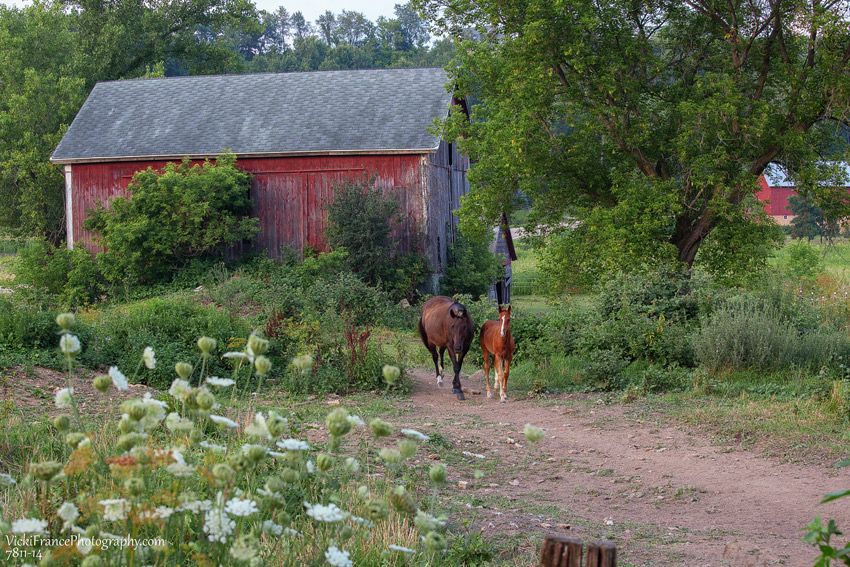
(502,328)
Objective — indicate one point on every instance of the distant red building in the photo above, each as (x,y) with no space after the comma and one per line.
(775,190)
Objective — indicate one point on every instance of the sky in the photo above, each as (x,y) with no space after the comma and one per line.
(372,9)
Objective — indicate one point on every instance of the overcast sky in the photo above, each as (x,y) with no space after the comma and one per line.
(372,9)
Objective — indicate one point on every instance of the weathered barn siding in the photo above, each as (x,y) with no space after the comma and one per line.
(290,195)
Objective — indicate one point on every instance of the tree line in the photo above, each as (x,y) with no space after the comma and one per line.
(55,51)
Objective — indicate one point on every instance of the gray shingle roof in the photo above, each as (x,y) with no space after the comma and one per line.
(272,113)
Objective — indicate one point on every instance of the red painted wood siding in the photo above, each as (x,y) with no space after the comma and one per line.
(290,193)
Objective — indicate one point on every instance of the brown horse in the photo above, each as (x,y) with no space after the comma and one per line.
(446,324)
(496,339)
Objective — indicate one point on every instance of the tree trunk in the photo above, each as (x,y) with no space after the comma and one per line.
(689,235)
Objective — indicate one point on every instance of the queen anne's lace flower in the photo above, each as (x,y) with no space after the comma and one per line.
(69,513)
(240,507)
(154,411)
(114,510)
(218,525)
(118,378)
(220,382)
(149,358)
(293,445)
(179,389)
(356,421)
(6,480)
(69,344)
(330,513)
(413,434)
(213,447)
(224,421)
(271,528)
(181,470)
(338,557)
(259,428)
(160,512)
(29,526)
(63,397)
(401,548)
(195,506)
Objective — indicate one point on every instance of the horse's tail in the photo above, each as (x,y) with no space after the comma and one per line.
(422,332)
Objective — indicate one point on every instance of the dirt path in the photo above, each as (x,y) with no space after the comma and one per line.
(663,494)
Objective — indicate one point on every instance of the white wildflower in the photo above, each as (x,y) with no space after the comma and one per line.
(259,428)
(160,512)
(240,507)
(291,532)
(29,526)
(154,411)
(311,468)
(271,528)
(413,434)
(218,525)
(401,548)
(179,389)
(337,557)
(6,480)
(181,470)
(330,513)
(356,421)
(69,344)
(149,358)
(118,378)
(213,447)
(238,355)
(178,424)
(69,513)
(363,521)
(293,445)
(195,506)
(220,382)
(277,455)
(63,397)
(114,510)
(224,421)
(84,545)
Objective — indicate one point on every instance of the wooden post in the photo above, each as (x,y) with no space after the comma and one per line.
(563,552)
(601,554)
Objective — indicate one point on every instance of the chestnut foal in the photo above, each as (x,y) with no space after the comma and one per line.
(496,339)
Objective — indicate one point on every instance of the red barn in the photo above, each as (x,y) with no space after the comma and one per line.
(776,187)
(297,133)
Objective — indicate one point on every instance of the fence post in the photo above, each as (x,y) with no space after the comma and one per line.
(560,552)
(563,552)
(601,554)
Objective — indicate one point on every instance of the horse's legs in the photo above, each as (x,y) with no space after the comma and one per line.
(442,365)
(487,371)
(456,387)
(505,372)
(497,366)
(433,350)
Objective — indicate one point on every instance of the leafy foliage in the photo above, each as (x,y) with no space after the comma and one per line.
(72,276)
(471,267)
(171,216)
(648,124)
(361,220)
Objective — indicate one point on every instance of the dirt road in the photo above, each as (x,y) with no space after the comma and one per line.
(665,495)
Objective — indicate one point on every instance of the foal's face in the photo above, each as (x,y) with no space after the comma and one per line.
(504,321)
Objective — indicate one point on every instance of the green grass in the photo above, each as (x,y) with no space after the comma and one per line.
(6,275)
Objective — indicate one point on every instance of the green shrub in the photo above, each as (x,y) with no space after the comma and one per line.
(471,268)
(360,221)
(746,336)
(172,216)
(170,326)
(801,261)
(23,326)
(603,369)
(71,276)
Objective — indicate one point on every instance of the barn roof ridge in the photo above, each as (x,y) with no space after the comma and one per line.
(318,112)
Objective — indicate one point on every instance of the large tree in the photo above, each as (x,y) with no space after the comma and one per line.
(648,121)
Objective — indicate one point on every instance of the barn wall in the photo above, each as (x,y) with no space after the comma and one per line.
(447,182)
(290,194)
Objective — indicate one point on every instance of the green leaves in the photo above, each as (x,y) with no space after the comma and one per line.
(646,124)
(171,216)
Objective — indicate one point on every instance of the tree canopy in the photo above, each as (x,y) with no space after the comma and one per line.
(647,123)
